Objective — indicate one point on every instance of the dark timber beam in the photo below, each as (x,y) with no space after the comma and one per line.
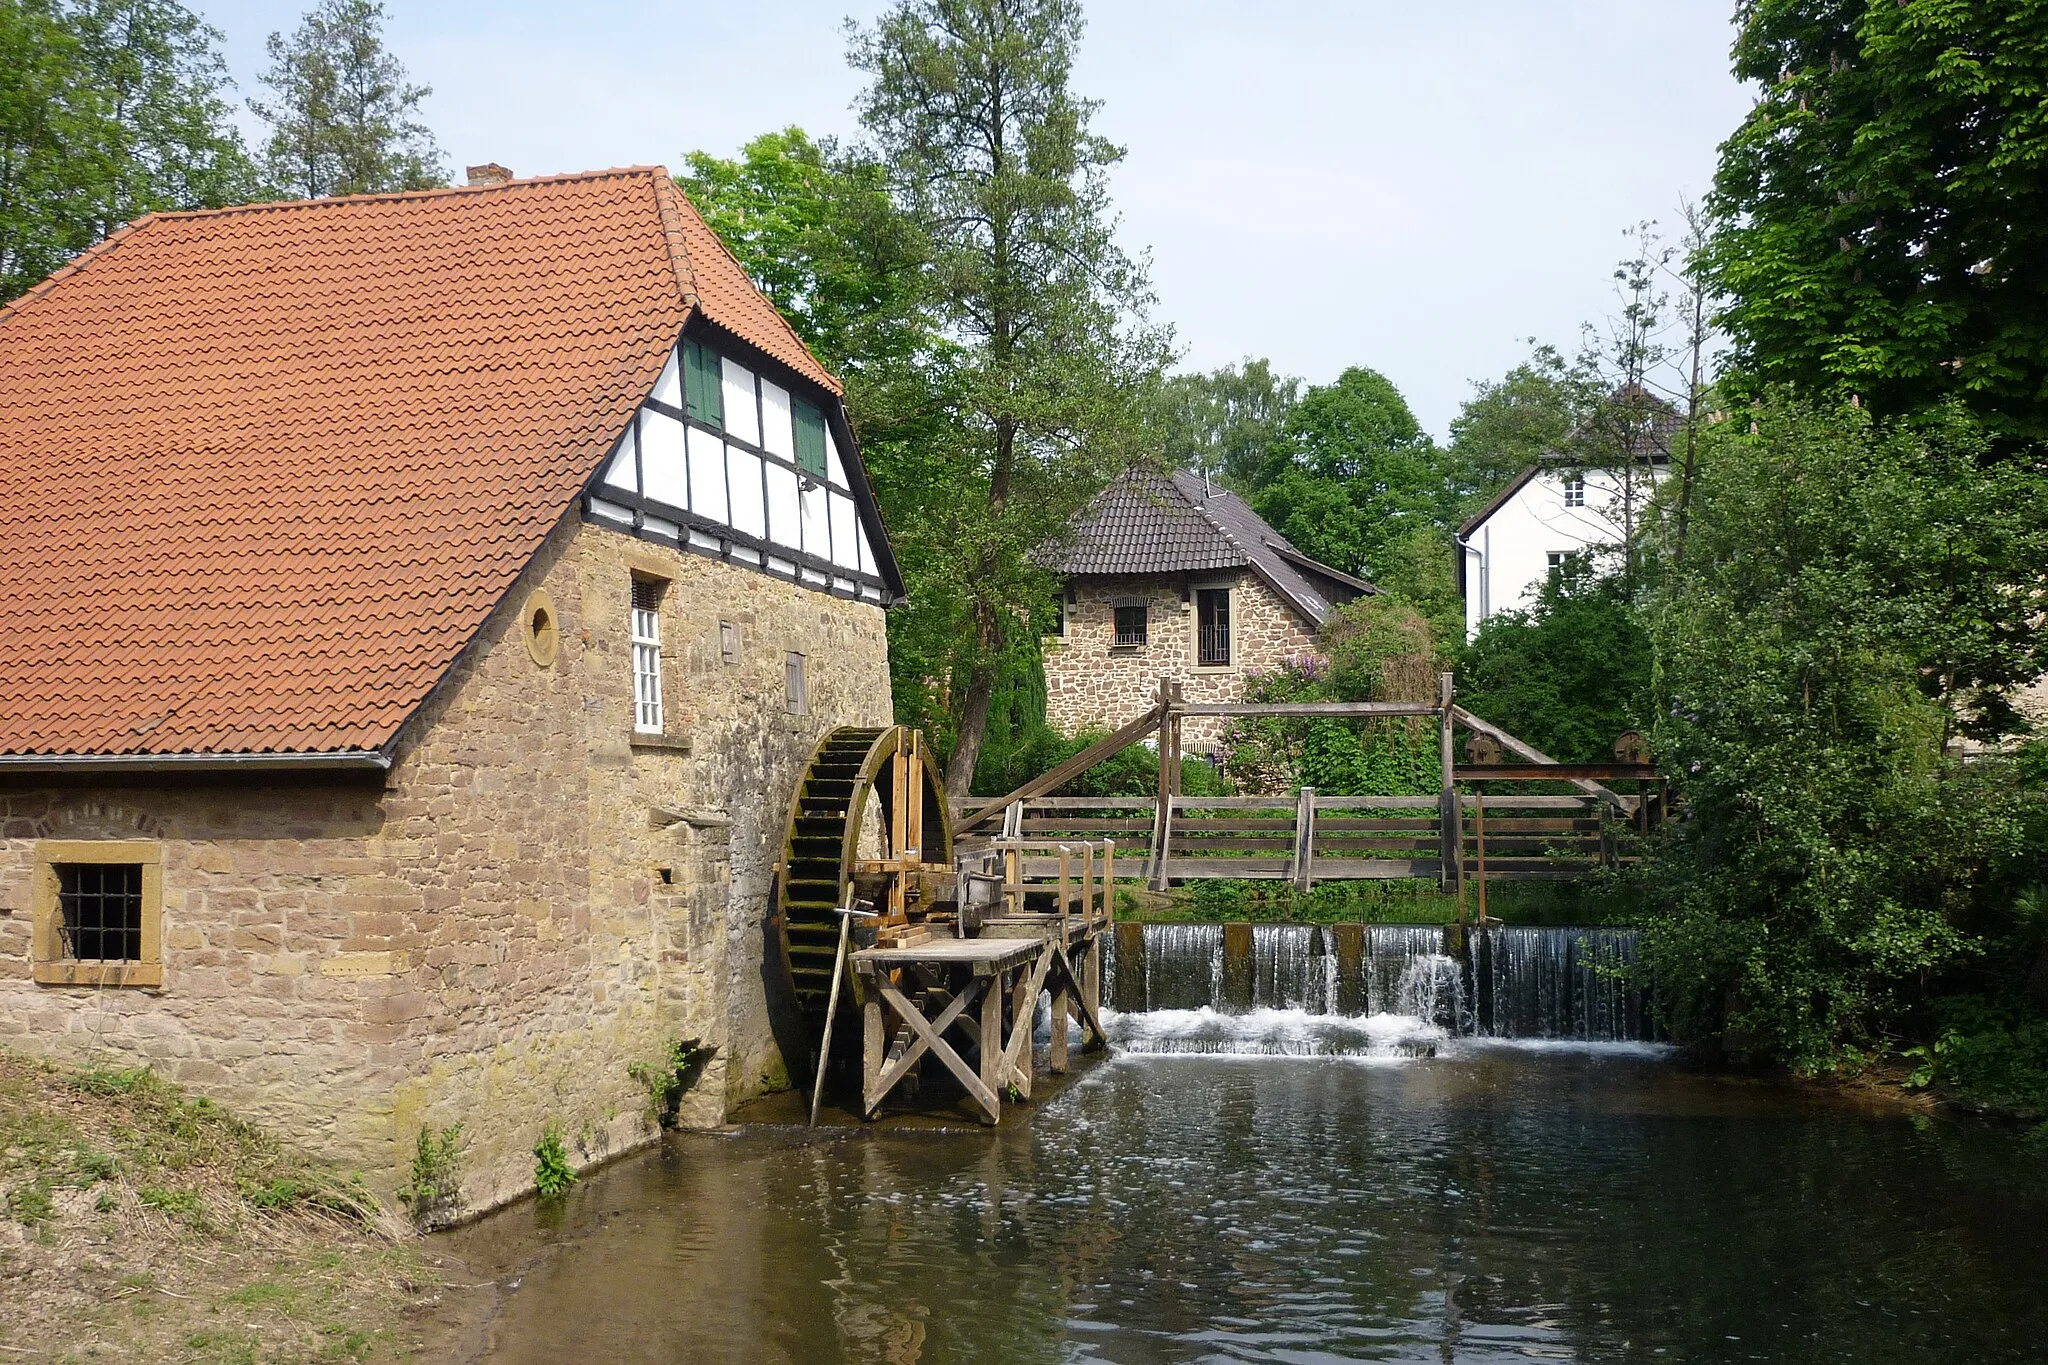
(1065,772)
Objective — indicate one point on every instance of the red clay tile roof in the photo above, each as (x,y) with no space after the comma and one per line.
(265,471)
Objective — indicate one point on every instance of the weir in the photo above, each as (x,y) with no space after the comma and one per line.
(1512,981)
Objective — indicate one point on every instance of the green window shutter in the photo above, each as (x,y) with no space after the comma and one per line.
(810,438)
(704,383)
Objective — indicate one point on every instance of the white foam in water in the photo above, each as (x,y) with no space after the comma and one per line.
(1272,1033)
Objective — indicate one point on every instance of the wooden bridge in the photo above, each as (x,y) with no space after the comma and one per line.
(1470,829)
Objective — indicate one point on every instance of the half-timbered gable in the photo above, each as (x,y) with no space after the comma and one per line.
(736,456)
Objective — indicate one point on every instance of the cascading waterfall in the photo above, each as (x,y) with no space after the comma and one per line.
(1183,967)
(1292,969)
(1298,988)
(1560,983)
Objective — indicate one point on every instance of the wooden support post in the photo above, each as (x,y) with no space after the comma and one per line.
(1480,812)
(1169,778)
(992,1047)
(1091,981)
(1304,839)
(1087,905)
(1108,882)
(873,1040)
(1450,811)
(1062,1000)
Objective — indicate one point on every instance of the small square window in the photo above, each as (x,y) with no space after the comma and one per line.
(99,911)
(796,687)
(728,643)
(1130,625)
(97,908)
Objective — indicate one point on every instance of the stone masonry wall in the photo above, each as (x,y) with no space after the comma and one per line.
(491,933)
(1090,681)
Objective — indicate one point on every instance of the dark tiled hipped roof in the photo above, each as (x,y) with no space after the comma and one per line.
(265,471)
(1148,522)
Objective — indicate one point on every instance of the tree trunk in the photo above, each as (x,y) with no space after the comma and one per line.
(981,686)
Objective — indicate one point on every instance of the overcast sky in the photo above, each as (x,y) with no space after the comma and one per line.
(1413,187)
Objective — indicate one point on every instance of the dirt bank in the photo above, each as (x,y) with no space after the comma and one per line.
(140,1223)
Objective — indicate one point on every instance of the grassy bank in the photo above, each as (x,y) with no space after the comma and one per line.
(141,1223)
(1406,901)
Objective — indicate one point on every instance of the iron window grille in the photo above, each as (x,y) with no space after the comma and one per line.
(100,911)
(1212,610)
(646,629)
(1130,626)
(1575,490)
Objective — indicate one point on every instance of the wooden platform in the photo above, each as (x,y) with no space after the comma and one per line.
(949,996)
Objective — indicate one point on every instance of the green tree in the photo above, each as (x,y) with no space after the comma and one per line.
(1225,423)
(1569,673)
(990,154)
(1882,212)
(818,233)
(1355,474)
(1523,418)
(109,109)
(343,113)
(1854,595)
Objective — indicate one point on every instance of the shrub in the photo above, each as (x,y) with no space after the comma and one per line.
(551,1173)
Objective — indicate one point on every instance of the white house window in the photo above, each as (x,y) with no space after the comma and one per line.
(647,656)
(1556,559)
(1574,492)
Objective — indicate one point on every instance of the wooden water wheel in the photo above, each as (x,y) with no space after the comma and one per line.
(868,824)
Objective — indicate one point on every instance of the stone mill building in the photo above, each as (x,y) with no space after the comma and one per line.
(417,610)
(1165,575)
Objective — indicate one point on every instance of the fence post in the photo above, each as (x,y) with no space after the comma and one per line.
(1305,839)
(1450,815)
(1169,778)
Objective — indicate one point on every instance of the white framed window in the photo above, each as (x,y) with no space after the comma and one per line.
(1555,559)
(646,631)
(1575,490)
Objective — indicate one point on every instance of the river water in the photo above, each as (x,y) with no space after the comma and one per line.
(1417,1196)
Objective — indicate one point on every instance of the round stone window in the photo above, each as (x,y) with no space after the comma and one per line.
(543,637)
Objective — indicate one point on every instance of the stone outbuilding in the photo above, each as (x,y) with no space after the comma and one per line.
(418,609)
(1165,575)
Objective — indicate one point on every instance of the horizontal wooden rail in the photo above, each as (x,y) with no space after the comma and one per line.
(1067,771)
(1559,772)
(1306,708)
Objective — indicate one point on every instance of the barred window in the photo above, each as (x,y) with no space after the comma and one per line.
(99,908)
(1130,625)
(1212,614)
(646,629)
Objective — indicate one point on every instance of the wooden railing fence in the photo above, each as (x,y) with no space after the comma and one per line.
(1307,837)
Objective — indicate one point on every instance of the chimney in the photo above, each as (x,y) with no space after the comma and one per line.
(490,173)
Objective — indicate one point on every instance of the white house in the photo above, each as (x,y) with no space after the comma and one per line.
(1511,547)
